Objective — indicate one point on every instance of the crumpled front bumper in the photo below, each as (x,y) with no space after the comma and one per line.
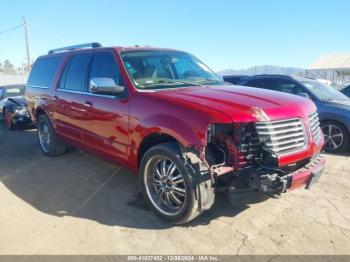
(309,174)
(21,118)
(276,181)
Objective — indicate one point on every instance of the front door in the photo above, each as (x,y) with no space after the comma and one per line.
(105,125)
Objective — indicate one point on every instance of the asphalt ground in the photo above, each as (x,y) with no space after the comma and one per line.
(78,204)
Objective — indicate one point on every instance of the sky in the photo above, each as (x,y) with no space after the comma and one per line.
(227,34)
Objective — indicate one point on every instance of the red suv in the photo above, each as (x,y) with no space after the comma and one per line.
(165,114)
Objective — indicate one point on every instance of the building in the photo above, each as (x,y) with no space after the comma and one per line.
(335,67)
(12,79)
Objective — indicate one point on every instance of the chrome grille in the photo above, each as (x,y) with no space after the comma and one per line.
(315,126)
(283,136)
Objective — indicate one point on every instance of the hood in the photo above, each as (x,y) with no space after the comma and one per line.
(334,107)
(237,102)
(18,100)
(339,103)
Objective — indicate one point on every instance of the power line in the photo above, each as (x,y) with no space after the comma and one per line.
(10,29)
(25,26)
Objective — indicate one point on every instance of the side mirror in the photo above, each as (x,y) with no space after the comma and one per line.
(305,95)
(105,86)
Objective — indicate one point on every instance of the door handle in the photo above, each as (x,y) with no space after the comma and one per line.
(88,104)
(78,109)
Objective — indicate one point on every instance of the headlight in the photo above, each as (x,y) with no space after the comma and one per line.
(21,110)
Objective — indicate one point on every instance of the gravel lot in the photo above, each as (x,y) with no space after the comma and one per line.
(77,204)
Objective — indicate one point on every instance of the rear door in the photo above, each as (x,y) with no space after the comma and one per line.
(69,109)
(105,125)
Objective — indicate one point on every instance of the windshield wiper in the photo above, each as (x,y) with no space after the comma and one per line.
(183,82)
(167,82)
(210,81)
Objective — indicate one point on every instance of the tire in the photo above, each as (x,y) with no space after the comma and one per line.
(8,121)
(48,141)
(336,137)
(171,191)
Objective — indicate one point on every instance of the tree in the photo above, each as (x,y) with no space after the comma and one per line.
(8,67)
(1,69)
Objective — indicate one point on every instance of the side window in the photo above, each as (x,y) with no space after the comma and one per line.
(43,71)
(288,87)
(254,83)
(105,65)
(75,74)
(1,92)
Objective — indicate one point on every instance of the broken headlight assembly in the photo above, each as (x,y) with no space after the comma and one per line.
(20,110)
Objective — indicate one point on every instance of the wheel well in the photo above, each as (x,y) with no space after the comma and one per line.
(150,141)
(39,112)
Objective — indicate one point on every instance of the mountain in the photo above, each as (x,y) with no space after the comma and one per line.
(264,69)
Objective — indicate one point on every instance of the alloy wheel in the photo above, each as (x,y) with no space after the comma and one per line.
(44,136)
(165,185)
(334,137)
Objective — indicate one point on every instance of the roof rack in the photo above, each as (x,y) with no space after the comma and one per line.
(75,47)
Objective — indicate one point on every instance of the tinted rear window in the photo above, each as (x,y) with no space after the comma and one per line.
(233,79)
(14,91)
(44,71)
(261,83)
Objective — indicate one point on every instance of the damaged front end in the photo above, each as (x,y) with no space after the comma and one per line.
(240,156)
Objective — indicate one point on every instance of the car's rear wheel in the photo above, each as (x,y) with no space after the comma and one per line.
(8,120)
(49,143)
(336,137)
(167,184)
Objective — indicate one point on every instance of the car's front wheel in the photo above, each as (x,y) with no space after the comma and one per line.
(336,137)
(168,185)
(49,143)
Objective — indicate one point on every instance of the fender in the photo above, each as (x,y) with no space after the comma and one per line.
(172,126)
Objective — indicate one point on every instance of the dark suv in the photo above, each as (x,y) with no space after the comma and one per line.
(166,115)
(333,107)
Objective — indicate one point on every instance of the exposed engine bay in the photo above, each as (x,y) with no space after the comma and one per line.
(236,156)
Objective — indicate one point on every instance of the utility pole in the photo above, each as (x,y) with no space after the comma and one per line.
(26,39)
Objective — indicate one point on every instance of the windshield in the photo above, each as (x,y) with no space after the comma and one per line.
(14,91)
(322,91)
(167,69)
